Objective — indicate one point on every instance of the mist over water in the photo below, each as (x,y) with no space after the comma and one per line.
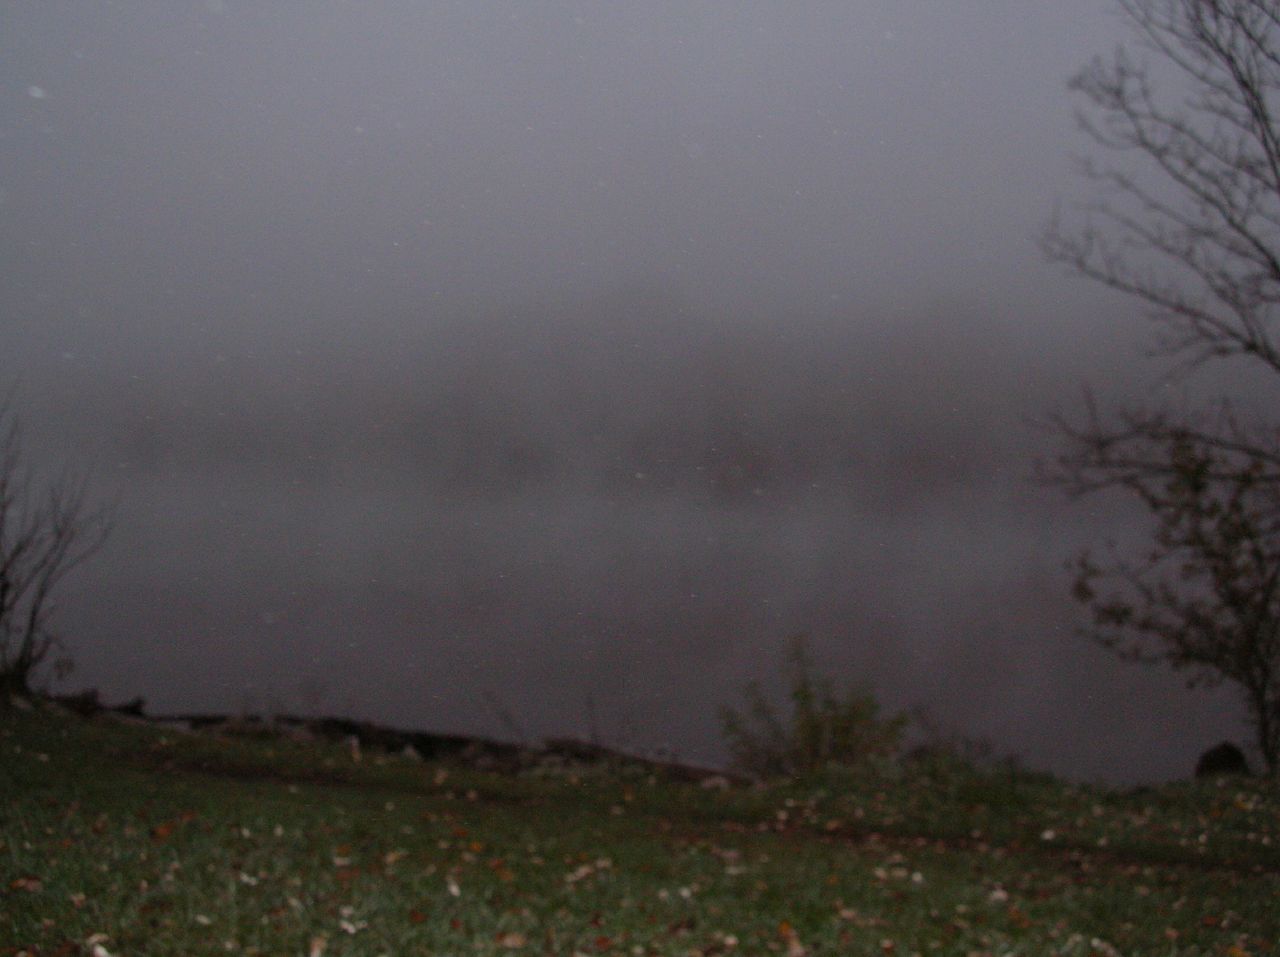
(602,515)
(445,359)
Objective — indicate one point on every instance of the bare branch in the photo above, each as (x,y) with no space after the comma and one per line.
(45,533)
(1213,210)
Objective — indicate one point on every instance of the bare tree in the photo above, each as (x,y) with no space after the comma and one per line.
(1188,224)
(46,531)
(1213,211)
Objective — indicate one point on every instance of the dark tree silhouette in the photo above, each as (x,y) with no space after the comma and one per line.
(45,532)
(1188,224)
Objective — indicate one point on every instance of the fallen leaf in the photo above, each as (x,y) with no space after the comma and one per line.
(1019,918)
(512,940)
(788,933)
(586,870)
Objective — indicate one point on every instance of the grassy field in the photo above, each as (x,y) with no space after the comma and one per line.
(124,839)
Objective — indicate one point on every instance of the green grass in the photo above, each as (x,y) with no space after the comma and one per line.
(139,840)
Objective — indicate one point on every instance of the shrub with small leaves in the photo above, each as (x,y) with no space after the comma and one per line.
(823,728)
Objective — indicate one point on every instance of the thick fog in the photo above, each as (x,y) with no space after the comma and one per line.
(565,359)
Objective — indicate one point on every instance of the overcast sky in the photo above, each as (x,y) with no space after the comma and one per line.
(571,356)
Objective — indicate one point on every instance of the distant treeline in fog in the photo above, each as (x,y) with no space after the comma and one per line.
(624,394)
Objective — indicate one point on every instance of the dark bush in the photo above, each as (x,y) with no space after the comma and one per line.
(823,728)
(1224,758)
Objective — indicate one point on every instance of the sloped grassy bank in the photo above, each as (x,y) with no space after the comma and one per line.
(131,839)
